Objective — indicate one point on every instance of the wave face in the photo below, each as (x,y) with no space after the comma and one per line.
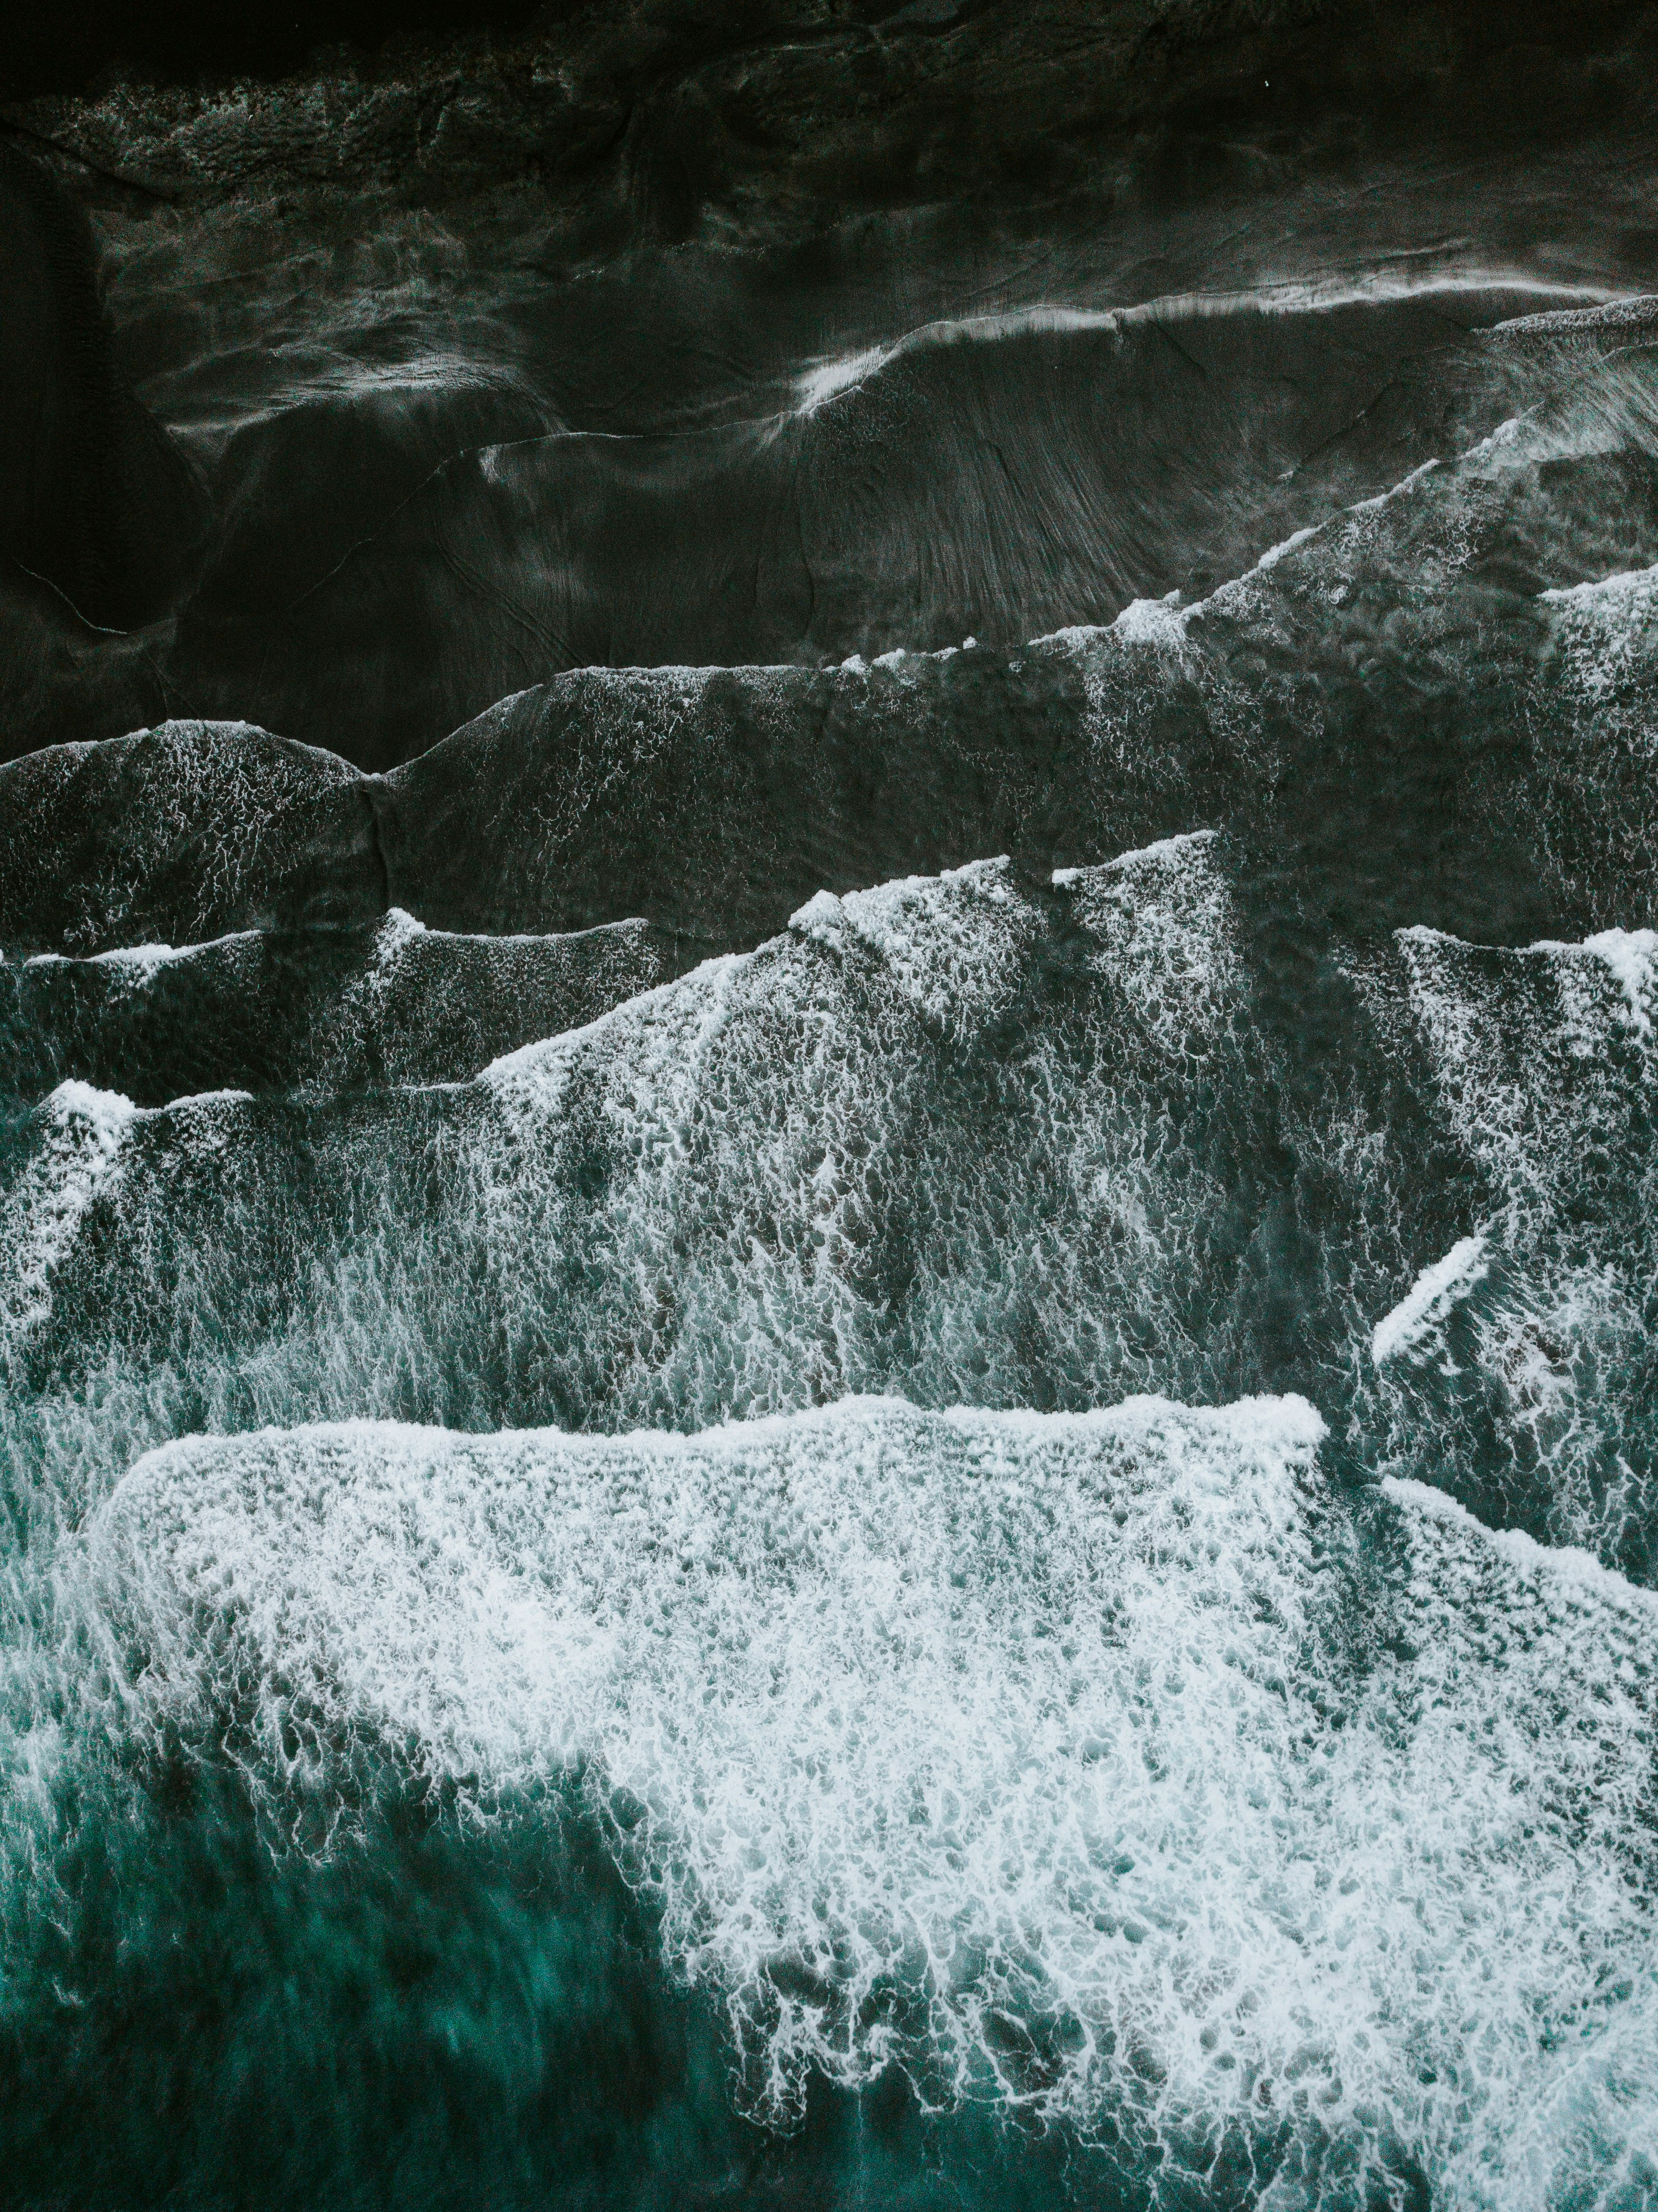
(828,1177)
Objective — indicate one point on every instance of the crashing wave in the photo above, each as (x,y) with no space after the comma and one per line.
(578,1514)
(1081,1763)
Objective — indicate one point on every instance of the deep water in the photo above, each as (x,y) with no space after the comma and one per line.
(829,1195)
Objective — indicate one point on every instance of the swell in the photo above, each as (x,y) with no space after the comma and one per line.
(97,507)
(1432,708)
(301,1010)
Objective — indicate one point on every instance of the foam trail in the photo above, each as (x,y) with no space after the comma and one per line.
(826,380)
(1435,1291)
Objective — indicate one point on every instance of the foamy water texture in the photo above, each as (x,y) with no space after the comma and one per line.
(1085,1764)
(395,1003)
(914,1143)
(879,1429)
(1533,1338)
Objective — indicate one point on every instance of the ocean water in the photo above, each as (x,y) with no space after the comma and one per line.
(873,1422)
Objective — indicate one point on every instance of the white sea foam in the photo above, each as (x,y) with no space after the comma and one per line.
(953,943)
(1543,1565)
(77,1136)
(699,995)
(1433,1296)
(1632,955)
(232,797)
(135,967)
(1077,637)
(1274,554)
(1620,316)
(1625,590)
(143,962)
(397,932)
(1146,621)
(825,380)
(1628,955)
(1375,504)
(1158,624)
(1594,707)
(1080,1737)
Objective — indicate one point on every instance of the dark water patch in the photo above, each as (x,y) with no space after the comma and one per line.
(428,2013)
(95,502)
(417,2012)
(972,483)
